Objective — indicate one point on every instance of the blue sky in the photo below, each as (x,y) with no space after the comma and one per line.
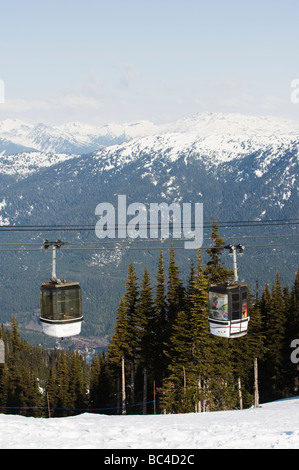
(99,61)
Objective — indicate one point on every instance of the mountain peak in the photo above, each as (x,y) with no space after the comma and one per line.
(236,124)
(77,137)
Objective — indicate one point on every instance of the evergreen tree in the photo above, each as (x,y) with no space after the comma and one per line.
(215,270)
(33,396)
(145,314)
(52,388)
(273,365)
(4,380)
(77,386)
(202,341)
(94,386)
(175,297)
(265,304)
(245,350)
(178,390)
(105,383)
(130,300)
(160,300)
(145,309)
(15,382)
(159,337)
(121,340)
(175,301)
(120,348)
(63,398)
(100,383)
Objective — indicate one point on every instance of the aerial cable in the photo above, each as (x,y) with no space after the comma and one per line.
(89,227)
(140,248)
(149,240)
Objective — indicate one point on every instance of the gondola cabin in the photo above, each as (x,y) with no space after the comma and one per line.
(228,310)
(61,310)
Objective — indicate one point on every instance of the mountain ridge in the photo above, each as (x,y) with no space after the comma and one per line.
(81,138)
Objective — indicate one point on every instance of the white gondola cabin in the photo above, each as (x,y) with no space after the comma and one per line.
(228,304)
(61,310)
(60,303)
(228,310)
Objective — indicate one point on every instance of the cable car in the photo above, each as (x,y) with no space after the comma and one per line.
(228,310)
(228,305)
(60,303)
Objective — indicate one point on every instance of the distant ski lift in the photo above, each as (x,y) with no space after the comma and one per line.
(60,303)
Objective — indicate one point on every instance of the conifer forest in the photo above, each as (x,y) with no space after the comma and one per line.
(162,357)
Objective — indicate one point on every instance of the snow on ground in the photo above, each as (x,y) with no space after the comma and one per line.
(273,425)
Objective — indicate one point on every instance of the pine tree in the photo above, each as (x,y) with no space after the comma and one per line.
(4,381)
(130,300)
(33,397)
(160,301)
(265,304)
(15,341)
(215,270)
(15,382)
(94,382)
(121,340)
(175,297)
(273,365)
(63,398)
(101,384)
(159,338)
(245,350)
(77,386)
(52,388)
(120,348)
(145,315)
(202,341)
(145,309)
(175,301)
(178,390)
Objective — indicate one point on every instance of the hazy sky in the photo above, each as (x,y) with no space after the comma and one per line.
(99,61)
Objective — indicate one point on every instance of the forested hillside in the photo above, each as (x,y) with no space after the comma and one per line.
(244,170)
(162,357)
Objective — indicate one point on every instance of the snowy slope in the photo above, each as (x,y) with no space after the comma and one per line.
(26,163)
(215,138)
(82,138)
(211,149)
(273,425)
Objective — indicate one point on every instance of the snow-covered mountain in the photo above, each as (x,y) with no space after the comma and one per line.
(209,156)
(213,138)
(215,129)
(240,167)
(17,136)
